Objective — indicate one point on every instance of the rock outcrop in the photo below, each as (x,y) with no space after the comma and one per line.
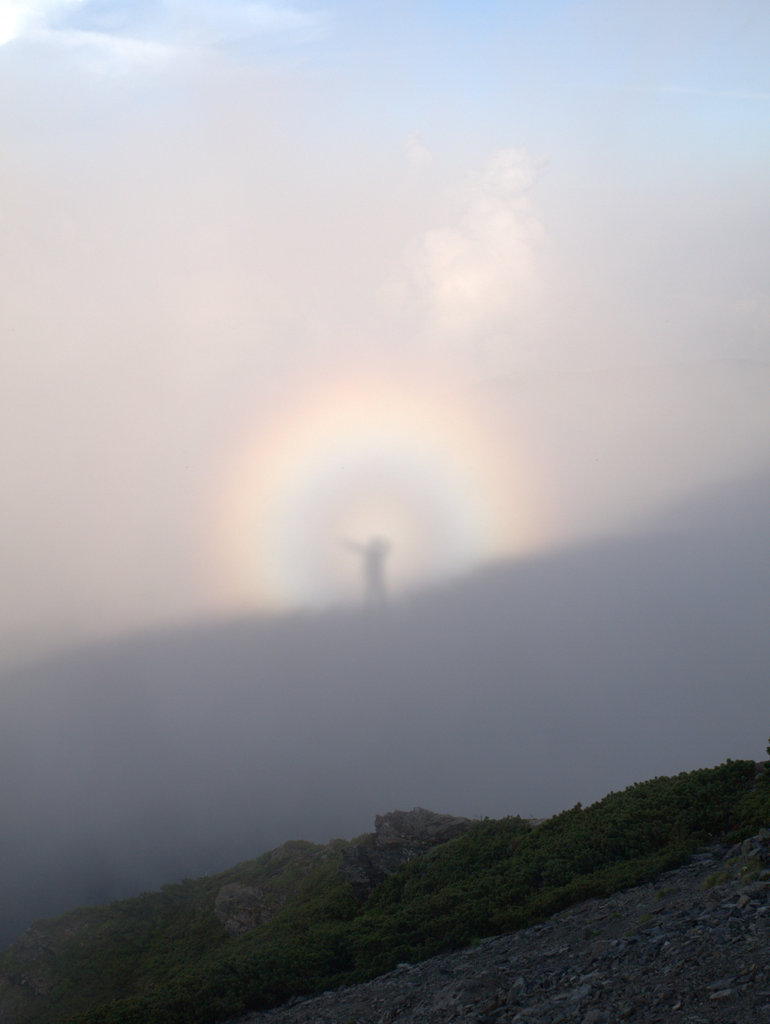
(692,947)
(242,907)
(399,836)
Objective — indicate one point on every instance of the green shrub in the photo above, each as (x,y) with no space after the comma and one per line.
(164,957)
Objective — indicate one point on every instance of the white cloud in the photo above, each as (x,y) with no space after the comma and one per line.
(138,34)
(222,24)
(417,153)
(19,18)
(720,94)
(752,312)
(264,17)
(479,274)
(104,52)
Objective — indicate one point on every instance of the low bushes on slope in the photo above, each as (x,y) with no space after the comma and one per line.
(164,958)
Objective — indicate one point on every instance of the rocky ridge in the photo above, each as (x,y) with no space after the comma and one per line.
(398,837)
(239,906)
(692,947)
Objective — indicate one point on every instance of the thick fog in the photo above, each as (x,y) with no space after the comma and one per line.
(277,279)
(222,224)
(520,689)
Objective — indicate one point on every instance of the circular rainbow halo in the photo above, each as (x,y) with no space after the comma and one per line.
(345,461)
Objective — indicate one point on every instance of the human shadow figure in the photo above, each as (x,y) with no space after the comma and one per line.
(373,554)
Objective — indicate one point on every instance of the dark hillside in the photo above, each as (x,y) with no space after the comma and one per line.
(293,923)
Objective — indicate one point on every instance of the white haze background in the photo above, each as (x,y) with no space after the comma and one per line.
(562,205)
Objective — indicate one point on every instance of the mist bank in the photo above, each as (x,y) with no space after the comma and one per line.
(138,538)
(520,689)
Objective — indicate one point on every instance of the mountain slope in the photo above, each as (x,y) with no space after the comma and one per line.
(298,921)
(693,945)
(529,685)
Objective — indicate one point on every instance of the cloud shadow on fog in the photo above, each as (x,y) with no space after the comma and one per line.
(519,689)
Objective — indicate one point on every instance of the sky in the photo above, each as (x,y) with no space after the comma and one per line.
(485,279)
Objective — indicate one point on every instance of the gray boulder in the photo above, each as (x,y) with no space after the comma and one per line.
(399,836)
